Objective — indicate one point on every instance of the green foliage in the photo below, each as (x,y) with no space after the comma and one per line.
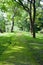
(21,17)
(39,18)
(23,21)
(2,22)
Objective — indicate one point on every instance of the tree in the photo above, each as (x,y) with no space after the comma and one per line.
(31,11)
(2,22)
(6,7)
(11,11)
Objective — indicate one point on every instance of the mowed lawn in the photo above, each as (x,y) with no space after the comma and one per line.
(21,49)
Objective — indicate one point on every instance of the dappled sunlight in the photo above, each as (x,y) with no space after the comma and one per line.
(36,47)
(6,63)
(23,33)
(8,51)
(40,36)
(14,49)
(35,44)
(20,50)
(17,48)
(19,34)
(5,44)
(24,63)
(6,34)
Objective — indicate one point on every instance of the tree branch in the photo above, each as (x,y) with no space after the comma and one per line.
(24,7)
(34,11)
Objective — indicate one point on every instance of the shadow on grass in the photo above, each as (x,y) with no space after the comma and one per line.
(21,50)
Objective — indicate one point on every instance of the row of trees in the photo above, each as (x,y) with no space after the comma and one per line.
(15,10)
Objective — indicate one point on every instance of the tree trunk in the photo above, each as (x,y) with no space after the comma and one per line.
(32,18)
(12,26)
(12,23)
(34,13)
(33,28)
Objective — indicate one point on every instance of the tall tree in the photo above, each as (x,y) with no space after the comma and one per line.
(29,6)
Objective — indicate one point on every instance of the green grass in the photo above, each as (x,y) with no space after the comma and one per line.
(21,49)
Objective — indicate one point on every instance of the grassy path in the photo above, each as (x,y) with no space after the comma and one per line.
(21,49)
